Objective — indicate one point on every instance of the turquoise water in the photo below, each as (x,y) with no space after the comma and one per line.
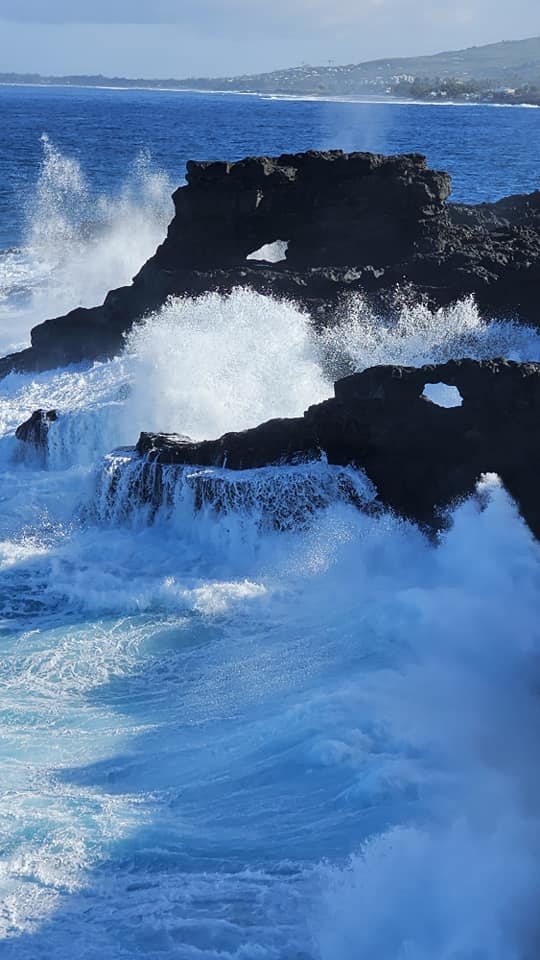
(219,740)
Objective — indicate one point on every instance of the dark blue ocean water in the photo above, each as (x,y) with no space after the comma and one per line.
(219,741)
(489,151)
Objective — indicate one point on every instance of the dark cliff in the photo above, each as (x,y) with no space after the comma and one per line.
(353,222)
(422,457)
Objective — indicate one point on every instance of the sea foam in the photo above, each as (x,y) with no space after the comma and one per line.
(227,736)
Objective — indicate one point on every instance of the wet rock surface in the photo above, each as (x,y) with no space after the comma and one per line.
(422,457)
(35,430)
(353,222)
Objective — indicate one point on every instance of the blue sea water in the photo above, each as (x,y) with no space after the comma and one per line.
(490,151)
(218,740)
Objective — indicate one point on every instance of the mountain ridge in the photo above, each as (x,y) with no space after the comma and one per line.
(496,71)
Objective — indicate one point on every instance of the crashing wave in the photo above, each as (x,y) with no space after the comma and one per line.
(133,489)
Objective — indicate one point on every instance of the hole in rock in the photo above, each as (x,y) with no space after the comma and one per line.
(443,395)
(273,252)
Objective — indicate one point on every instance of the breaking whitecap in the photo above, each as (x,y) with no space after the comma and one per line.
(131,488)
(219,739)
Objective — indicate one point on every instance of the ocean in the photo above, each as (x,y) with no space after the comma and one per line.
(220,740)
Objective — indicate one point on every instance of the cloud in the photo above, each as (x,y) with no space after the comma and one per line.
(250,16)
(218,37)
(180,11)
(96,11)
(62,11)
(313,15)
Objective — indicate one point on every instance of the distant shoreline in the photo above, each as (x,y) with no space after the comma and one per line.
(264,95)
(506,73)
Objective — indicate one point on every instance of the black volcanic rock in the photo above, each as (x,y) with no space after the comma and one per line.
(422,457)
(521,210)
(353,222)
(334,209)
(36,428)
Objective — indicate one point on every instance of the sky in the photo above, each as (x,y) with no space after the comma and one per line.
(183,38)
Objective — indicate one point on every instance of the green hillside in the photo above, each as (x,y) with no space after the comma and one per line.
(507,71)
(507,64)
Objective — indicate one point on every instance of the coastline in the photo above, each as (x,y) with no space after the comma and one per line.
(262,95)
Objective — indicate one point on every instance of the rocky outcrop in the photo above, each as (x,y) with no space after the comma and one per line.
(36,429)
(353,222)
(421,456)
(333,209)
